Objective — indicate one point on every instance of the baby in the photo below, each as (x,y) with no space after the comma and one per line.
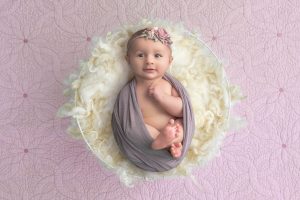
(149,55)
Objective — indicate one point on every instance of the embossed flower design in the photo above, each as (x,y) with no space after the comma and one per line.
(25,41)
(218,27)
(279,143)
(24,100)
(277,92)
(274,29)
(25,150)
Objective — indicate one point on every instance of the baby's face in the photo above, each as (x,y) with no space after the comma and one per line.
(149,60)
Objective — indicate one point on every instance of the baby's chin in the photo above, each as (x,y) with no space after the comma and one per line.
(149,77)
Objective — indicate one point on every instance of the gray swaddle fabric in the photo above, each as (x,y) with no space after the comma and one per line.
(133,138)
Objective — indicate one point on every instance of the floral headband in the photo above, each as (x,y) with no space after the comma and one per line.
(155,34)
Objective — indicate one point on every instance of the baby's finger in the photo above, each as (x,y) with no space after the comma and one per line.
(151,93)
(151,89)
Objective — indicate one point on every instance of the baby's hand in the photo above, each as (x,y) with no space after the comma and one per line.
(155,91)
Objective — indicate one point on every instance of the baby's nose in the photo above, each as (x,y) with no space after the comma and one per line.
(149,59)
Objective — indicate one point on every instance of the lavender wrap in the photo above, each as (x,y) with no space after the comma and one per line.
(133,138)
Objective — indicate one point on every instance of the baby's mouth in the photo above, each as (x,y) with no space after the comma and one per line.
(149,70)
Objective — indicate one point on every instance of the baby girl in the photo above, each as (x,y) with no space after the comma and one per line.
(149,55)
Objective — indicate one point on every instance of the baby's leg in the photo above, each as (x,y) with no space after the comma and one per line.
(165,137)
(176,147)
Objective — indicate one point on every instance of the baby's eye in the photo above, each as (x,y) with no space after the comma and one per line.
(158,55)
(140,55)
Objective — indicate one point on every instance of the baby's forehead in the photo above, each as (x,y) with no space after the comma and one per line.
(146,44)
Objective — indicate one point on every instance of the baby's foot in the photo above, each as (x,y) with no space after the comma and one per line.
(167,136)
(176,149)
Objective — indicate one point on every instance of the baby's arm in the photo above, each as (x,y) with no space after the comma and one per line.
(170,103)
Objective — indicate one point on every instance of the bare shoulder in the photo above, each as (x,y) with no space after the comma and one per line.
(170,88)
(174,92)
(166,86)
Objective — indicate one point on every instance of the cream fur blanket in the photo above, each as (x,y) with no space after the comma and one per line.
(94,88)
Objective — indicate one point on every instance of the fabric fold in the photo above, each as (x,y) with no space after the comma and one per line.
(133,138)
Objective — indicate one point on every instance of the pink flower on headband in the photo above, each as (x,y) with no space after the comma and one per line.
(163,36)
(157,34)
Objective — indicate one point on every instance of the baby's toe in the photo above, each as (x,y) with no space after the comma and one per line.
(171,121)
(178,145)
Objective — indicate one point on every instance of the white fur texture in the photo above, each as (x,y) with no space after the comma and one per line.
(94,89)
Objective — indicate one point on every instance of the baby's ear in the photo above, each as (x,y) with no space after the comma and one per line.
(127,59)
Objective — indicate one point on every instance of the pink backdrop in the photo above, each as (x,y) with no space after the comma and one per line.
(41,42)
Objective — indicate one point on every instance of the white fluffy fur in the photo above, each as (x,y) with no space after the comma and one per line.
(94,90)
